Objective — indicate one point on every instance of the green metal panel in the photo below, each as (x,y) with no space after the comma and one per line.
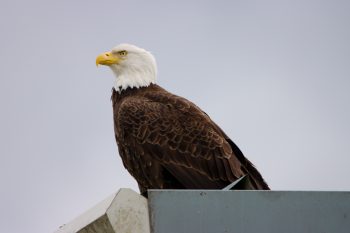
(216,211)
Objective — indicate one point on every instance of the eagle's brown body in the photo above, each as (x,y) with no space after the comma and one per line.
(167,142)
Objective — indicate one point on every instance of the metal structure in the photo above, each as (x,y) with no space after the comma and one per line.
(216,211)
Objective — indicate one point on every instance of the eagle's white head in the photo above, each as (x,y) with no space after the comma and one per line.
(133,66)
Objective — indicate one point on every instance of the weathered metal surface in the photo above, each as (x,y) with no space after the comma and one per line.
(249,211)
(123,212)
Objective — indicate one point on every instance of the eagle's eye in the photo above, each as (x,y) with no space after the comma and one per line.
(123,53)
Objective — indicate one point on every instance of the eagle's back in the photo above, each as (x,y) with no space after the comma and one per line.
(166,141)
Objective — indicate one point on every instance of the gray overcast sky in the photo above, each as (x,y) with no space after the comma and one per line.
(274,74)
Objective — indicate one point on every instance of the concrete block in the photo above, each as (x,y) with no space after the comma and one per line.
(123,212)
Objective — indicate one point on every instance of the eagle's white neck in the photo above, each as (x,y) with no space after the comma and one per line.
(133,78)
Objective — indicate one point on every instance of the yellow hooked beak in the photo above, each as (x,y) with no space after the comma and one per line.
(107,59)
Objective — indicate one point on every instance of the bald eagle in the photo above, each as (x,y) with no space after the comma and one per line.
(166,141)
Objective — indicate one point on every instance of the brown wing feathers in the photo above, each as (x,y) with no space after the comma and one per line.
(163,137)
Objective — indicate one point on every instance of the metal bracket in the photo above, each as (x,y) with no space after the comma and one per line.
(241,184)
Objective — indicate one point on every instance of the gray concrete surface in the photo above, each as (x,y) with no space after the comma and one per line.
(123,212)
